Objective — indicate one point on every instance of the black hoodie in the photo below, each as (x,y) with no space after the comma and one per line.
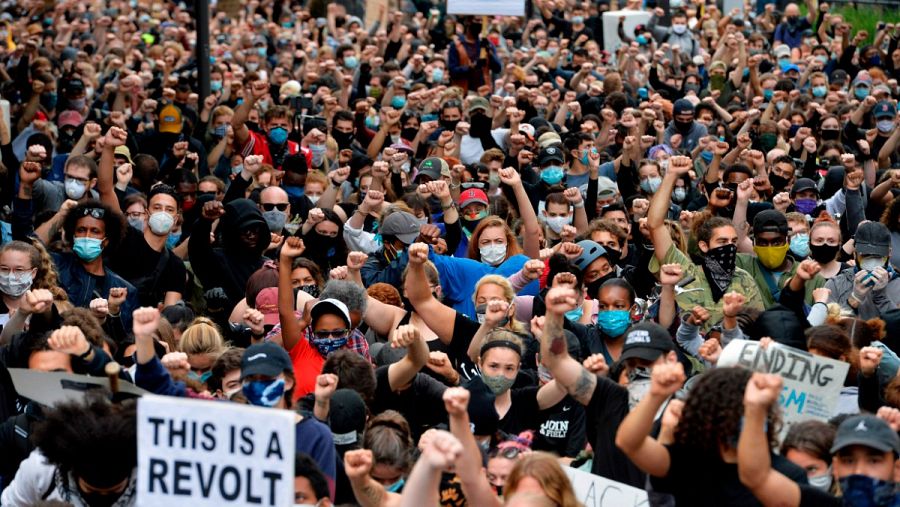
(231,264)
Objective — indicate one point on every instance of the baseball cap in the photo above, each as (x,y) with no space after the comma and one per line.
(782,50)
(839,77)
(804,184)
(884,109)
(527,129)
(872,238)
(862,81)
(471,195)
(550,154)
(434,167)
(267,304)
(647,341)
(682,106)
(329,306)
(70,118)
(170,119)
(606,188)
(290,88)
(347,417)
(123,151)
(402,146)
(548,139)
(866,430)
(788,67)
(476,103)
(404,226)
(268,359)
(591,251)
(770,220)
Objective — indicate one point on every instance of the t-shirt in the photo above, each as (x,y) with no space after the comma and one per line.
(464,330)
(562,429)
(605,412)
(523,413)
(314,438)
(422,403)
(815,497)
(307,366)
(135,261)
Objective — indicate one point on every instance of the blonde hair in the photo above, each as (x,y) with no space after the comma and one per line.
(202,337)
(543,468)
(508,294)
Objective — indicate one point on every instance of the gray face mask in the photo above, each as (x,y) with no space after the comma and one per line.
(638,385)
(275,220)
(498,384)
(15,286)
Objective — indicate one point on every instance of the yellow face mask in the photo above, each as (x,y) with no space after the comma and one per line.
(771,256)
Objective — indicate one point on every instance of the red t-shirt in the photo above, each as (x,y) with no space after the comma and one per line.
(307,366)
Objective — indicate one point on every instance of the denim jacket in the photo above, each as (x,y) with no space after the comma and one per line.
(82,287)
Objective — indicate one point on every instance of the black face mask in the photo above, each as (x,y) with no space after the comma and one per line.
(593,288)
(614,256)
(718,266)
(823,254)
(480,125)
(778,182)
(684,126)
(253,126)
(409,133)
(343,139)
(830,134)
(312,290)
(449,125)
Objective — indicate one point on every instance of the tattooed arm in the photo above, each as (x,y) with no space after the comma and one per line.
(567,372)
(368,492)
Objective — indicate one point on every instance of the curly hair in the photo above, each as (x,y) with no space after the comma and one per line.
(385,293)
(101,449)
(891,216)
(713,410)
(46,277)
(84,319)
(113,221)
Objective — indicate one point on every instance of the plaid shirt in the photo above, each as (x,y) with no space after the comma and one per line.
(356,341)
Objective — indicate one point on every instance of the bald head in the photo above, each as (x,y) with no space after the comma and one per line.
(792,10)
(274,198)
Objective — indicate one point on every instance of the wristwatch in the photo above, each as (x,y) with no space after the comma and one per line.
(87,354)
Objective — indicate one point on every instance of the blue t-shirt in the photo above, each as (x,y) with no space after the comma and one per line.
(459,276)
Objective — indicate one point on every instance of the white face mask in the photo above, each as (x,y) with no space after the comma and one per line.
(870,263)
(679,29)
(74,189)
(313,198)
(492,254)
(556,224)
(822,482)
(161,223)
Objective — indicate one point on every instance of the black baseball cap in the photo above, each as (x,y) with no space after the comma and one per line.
(770,220)
(550,154)
(647,341)
(803,184)
(267,359)
(866,430)
(872,238)
(348,418)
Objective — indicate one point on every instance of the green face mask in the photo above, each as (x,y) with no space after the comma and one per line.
(717,82)
(767,141)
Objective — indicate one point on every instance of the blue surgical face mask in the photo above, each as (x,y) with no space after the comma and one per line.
(398,101)
(437,75)
(87,249)
(215,86)
(200,378)
(552,175)
(642,40)
(651,185)
(351,62)
(614,322)
(173,239)
(278,135)
(264,393)
(396,487)
(767,94)
(800,245)
(577,20)
(575,315)
(819,91)
(861,92)
(261,52)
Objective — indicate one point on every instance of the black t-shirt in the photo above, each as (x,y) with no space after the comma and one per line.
(136,262)
(815,497)
(422,403)
(464,330)
(523,412)
(606,410)
(562,429)
(701,479)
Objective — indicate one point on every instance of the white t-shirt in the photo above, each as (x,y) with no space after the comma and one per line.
(470,149)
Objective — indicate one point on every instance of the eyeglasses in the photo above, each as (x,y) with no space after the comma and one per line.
(18,272)
(94,212)
(337,333)
(506,452)
(269,206)
(136,214)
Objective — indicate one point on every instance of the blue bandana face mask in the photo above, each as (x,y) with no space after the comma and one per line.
(614,322)
(865,491)
(264,393)
(326,346)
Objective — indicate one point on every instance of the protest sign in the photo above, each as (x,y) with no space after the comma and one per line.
(595,491)
(206,453)
(812,384)
(487,7)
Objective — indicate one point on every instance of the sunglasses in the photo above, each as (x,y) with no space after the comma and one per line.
(269,206)
(94,212)
(337,333)
(506,452)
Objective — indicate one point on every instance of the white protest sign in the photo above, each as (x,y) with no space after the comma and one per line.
(487,7)
(812,384)
(206,453)
(595,491)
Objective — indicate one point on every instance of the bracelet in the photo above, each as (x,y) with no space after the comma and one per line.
(449,206)
(87,354)
(579,204)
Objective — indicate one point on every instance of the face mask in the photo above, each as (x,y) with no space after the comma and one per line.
(679,194)
(492,254)
(200,378)
(575,315)
(343,139)
(638,385)
(793,130)
(717,82)
(396,487)
(278,135)
(215,86)
(351,62)
(48,100)
(767,94)
(805,206)
(252,66)
(683,126)
(409,133)
(173,239)
(552,175)
(778,182)
(75,189)
(829,134)
(87,249)
(800,245)
(397,102)
(261,52)
(264,393)
(221,131)
(498,384)
(718,266)
(237,169)
(642,40)
(819,91)
(137,223)
(15,286)
(326,346)
(578,20)
(449,124)
(556,224)
(312,290)
(771,256)
(823,254)
(821,482)
(593,288)
(865,491)
(161,223)
(780,105)
(76,104)
(870,263)
(313,199)
(437,75)
(275,220)
(861,93)
(692,87)
(679,28)
(614,323)
(875,61)
(767,141)
(885,126)
(651,185)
